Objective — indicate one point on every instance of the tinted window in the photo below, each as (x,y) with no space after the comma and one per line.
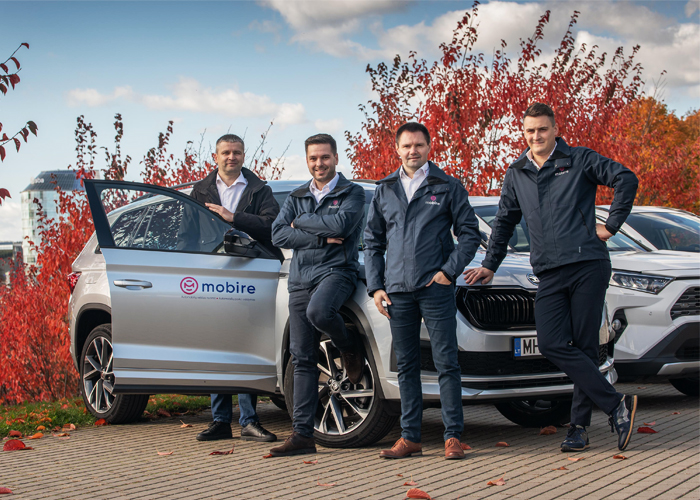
(520,241)
(124,226)
(668,230)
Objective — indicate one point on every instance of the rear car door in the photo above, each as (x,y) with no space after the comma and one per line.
(186,317)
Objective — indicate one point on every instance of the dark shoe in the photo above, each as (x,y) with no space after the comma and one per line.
(216,430)
(576,439)
(453,449)
(296,444)
(402,448)
(622,420)
(256,432)
(354,365)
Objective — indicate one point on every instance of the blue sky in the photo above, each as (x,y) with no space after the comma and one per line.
(219,66)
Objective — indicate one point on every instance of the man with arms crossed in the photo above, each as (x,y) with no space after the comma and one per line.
(321,221)
(241,198)
(554,187)
(410,219)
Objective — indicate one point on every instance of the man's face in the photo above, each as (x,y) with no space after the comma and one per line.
(229,158)
(413,149)
(540,134)
(321,162)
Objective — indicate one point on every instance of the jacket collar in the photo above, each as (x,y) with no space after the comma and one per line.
(563,150)
(435,176)
(207,186)
(304,190)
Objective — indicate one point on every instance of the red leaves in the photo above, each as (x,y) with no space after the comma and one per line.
(502,444)
(561,468)
(15,445)
(223,452)
(163,412)
(326,485)
(575,459)
(620,457)
(17,143)
(650,424)
(38,435)
(4,68)
(14,60)
(32,127)
(269,455)
(61,435)
(184,425)
(25,44)
(166,453)
(5,491)
(14,80)
(2,157)
(676,413)
(410,483)
(41,428)
(498,482)
(546,431)
(311,462)
(101,422)
(68,427)
(646,430)
(416,493)
(15,434)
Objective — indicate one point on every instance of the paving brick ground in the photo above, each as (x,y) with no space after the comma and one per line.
(121,462)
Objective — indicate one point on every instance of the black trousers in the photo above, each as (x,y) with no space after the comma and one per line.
(568,312)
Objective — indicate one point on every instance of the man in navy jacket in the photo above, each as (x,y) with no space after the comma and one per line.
(321,221)
(554,187)
(409,220)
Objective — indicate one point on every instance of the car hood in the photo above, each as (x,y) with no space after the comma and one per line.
(513,271)
(664,262)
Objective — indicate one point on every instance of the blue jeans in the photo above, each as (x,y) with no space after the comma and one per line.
(222,408)
(436,305)
(312,312)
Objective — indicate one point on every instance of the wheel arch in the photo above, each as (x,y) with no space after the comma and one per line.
(89,317)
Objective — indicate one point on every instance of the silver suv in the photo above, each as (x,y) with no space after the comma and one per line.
(155,310)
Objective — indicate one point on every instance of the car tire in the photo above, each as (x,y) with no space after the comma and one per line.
(363,420)
(97,380)
(536,412)
(689,386)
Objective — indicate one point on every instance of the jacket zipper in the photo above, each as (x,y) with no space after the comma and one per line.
(583,219)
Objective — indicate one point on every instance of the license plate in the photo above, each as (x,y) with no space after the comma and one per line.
(525,347)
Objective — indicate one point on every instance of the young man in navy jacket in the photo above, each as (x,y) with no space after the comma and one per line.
(321,221)
(409,220)
(554,187)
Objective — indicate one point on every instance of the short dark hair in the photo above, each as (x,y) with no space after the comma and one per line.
(321,139)
(413,127)
(539,109)
(229,138)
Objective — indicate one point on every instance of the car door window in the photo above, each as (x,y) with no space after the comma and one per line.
(125,224)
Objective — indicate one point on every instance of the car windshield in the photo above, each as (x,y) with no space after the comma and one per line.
(668,230)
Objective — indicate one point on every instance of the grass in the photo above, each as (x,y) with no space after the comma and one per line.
(25,418)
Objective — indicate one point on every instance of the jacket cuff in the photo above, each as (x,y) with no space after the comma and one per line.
(449,275)
(611,229)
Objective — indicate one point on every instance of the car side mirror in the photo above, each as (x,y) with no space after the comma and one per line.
(240,244)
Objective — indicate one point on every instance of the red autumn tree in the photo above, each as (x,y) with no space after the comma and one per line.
(8,79)
(474,108)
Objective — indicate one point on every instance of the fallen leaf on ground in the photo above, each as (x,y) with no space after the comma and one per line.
(64,438)
(101,421)
(5,491)
(311,462)
(61,434)
(499,482)
(14,445)
(147,414)
(546,431)
(163,412)
(41,428)
(620,457)
(410,483)
(650,424)
(223,452)
(416,493)
(177,414)
(57,428)
(676,413)
(643,387)
(15,434)
(185,425)
(327,485)
(68,427)
(575,459)
(400,475)
(561,468)
(465,446)
(646,430)
(502,444)
(38,435)
(269,455)
(164,453)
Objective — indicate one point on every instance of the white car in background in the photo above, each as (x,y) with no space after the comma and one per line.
(653,301)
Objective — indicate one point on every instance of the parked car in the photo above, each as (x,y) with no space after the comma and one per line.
(147,317)
(654,305)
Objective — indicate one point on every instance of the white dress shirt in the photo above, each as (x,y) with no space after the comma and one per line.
(319,194)
(231,195)
(529,155)
(411,185)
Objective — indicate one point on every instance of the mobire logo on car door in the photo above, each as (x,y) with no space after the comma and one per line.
(189,285)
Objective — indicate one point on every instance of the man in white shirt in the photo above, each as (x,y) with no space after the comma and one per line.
(244,200)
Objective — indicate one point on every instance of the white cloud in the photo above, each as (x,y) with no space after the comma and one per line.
(328,126)
(267,26)
(692,7)
(189,95)
(10,220)
(295,168)
(309,15)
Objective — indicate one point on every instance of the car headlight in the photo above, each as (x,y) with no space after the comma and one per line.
(641,282)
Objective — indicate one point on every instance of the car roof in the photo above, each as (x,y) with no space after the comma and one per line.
(640,209)
(483,201)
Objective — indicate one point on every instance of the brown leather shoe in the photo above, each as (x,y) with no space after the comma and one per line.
(354,365)
(403,448)
(453,449)
(296,444)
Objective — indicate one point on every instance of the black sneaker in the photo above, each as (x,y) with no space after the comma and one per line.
(576,439)
(256,432)
(216,430)
(296,444)
(622,420)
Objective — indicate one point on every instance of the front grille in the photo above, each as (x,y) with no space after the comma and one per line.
(689,350)
(517,384)
(499,363)
(688,304)
(497,308)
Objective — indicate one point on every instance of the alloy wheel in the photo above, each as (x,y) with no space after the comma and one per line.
(98,374)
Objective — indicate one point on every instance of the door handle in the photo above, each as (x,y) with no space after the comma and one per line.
(133,284)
